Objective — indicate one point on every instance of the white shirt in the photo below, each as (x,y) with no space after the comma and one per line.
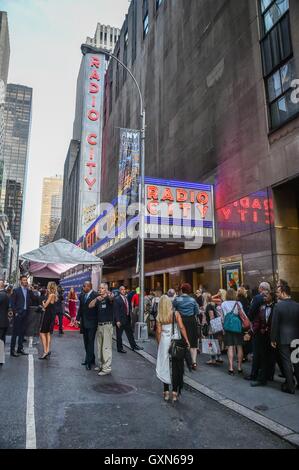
(228,306)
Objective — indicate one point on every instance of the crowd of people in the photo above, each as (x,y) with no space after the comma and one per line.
(258,326)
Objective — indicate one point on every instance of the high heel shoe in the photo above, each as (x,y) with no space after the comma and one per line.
(175,397)
(43,357)
(166,396)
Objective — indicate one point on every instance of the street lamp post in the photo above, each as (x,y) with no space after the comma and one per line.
(141,251)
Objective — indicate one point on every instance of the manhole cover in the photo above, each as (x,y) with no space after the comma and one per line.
(114,389)
(261,408)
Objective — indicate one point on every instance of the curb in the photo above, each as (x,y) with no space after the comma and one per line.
(279,430)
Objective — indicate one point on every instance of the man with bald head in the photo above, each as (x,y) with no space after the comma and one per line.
(88,322)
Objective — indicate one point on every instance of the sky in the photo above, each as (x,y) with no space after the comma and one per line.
(45,40)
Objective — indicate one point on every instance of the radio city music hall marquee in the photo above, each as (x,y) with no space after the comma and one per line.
(174,211)
(91,142)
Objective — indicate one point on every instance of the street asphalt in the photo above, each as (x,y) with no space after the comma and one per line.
(77,409)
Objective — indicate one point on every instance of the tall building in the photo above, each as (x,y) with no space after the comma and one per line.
(4,64)
(105,37)
(82,170)
(51,208)
(4,47)
(221,109)
(17,116)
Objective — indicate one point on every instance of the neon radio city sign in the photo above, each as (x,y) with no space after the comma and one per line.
(93,116)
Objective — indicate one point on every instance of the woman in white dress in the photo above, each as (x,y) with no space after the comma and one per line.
(164,336)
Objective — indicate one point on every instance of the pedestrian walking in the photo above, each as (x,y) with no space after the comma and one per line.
(50,312)
(135,308)
(20,301)
(210,313)
(4,322)
(174,374)
(88,318)
(233,338)
(154,310)
(189,310)
(285,329)
(104,306)
(72,302)
(261,331)
(257,302)
(123,321)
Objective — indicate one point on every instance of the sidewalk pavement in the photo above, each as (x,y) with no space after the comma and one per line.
(268,406)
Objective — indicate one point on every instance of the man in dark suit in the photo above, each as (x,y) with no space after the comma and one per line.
(21,301)
(285,329)
(123,321)
(4,322)
(88,322)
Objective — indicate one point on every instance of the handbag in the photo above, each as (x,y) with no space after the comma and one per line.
(216,325)
(178,347)
(232,322)
(244,319)
(210,346)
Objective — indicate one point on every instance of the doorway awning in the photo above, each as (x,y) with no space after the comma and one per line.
(51,260)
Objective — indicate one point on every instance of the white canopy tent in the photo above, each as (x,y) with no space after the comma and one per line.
(51,260)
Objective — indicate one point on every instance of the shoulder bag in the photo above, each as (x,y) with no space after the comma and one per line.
(232,322)
(178,347)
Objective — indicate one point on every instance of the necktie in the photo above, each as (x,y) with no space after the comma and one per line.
(126,304)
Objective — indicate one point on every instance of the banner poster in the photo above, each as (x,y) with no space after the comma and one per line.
(129,163)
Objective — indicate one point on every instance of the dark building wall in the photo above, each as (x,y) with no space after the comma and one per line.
(201,74)
(70,198)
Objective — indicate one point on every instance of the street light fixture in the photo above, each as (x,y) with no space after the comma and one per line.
(141,326)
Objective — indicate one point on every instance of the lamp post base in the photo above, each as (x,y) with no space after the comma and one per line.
(141,332)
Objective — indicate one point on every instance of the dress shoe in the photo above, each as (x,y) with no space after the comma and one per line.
(287,390)
(102,373)
(23,353)
(14,354)
(122,351)
(257,384)
(84,363)
(137,348)
(88,367)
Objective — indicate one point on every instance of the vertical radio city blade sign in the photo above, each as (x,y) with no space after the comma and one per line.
(91,141)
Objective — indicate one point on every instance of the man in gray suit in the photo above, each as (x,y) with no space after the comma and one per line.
(285,329)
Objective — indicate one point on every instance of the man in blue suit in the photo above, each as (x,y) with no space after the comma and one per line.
(20,305)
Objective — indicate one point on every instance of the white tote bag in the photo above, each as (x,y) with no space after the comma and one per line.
(210,346)
(216,325)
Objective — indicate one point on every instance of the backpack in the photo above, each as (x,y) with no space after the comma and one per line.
(154,310)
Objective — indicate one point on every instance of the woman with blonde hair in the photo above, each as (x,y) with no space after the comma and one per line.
(165,332)
(72,300)
(49,307)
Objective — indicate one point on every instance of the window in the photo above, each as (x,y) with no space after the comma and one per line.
(134,30)
(125,59)
(272,11)
(145,18)
(278,66)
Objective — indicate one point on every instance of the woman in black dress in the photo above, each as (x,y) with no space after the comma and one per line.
(49,306)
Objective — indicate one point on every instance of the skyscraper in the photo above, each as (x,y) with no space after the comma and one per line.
(105,37)
(17,117)
(51,208)
(4,63)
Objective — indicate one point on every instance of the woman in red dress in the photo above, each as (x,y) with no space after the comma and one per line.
(72,299)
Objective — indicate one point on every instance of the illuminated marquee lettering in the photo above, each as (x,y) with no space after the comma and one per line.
(95,62)
(95,76)
(93,115)
(91,139)
(94,87)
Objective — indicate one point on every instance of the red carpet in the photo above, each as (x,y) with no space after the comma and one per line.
(66,325)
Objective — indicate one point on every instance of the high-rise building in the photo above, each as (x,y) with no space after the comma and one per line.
(17,116)
(4,63)
(51,208)
(105,37)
